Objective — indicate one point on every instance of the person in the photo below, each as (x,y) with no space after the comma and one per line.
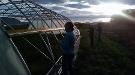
(77,42)
(67,46)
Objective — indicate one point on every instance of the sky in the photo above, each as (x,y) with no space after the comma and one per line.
(87,10)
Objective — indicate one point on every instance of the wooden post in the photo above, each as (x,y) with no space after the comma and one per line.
(99,30)
(91,35)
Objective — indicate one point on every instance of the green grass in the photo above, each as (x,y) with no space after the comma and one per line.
(108,57)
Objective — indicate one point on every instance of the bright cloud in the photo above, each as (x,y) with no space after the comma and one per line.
(89,8)
(108,8)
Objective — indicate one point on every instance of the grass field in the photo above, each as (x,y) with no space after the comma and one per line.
(107,58)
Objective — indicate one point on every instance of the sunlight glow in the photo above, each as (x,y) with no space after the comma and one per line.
(109,8)
(129,17)
(105,19)
(102,20)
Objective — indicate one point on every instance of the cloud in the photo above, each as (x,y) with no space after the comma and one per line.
(57,8)
(79,5)
(130,2)
(94,2)
(49,1)
(63,1)
(79,9)
(74,13)
(68,7)
(74,9)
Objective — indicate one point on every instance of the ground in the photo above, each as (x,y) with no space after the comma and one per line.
(108,57)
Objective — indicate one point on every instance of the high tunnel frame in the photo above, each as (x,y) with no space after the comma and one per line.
(40,20)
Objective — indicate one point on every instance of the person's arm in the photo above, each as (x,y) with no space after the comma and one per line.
(64,42)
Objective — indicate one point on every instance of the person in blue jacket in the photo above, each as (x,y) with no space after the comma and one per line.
(67,46)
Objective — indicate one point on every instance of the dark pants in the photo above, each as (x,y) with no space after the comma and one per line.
(67,64)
